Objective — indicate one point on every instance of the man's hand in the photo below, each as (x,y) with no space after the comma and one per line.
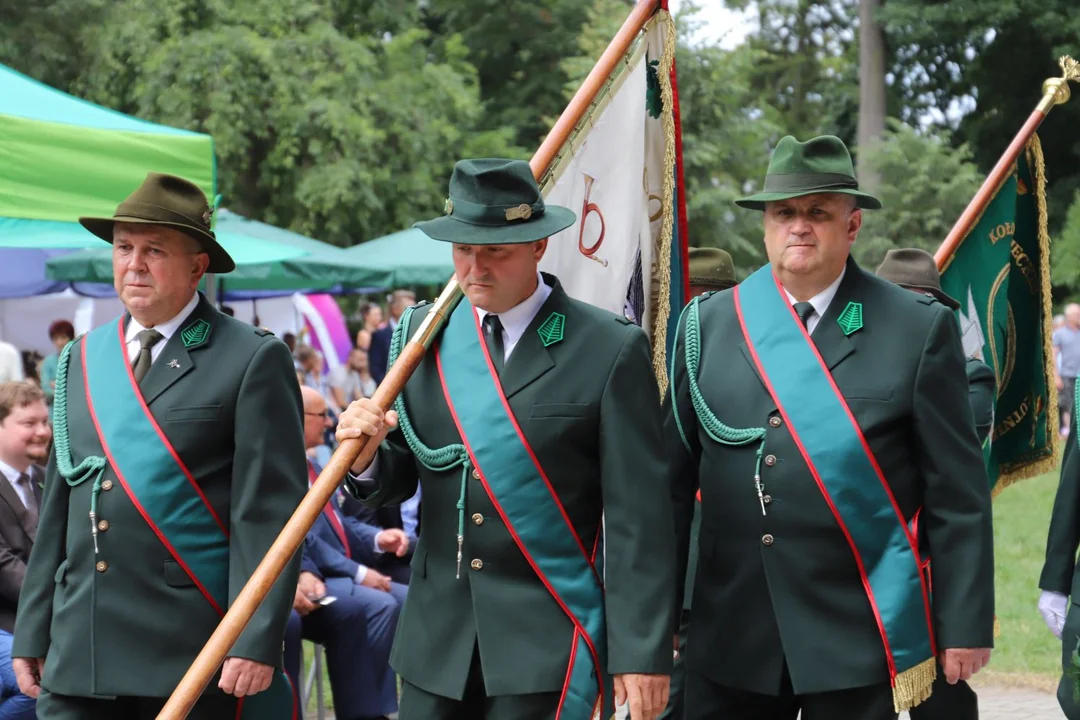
(376,580)
(646,694)
(28,672)
(1053,607)
(364,417)
(312,587)
(961,663)
(242,677)
(302,605)
(394,541)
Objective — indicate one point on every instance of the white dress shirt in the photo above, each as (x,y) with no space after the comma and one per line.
(12,476)
(167,330)
(820,302)
(515,321)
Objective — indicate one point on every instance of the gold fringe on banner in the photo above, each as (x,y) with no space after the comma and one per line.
(913,686)
(1010,475)
(662,279)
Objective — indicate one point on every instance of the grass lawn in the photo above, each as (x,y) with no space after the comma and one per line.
(1026,650)
(1026,653)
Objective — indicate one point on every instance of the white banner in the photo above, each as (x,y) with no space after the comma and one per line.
(602,184)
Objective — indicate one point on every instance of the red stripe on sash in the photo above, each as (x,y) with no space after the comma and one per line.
(131,496)
(161,434)
(817,479)
(506,521)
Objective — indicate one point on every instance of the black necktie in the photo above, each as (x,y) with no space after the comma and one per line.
(804,310)
(493,336)
(147,340)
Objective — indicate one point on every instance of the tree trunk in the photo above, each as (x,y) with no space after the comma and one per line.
(871,88)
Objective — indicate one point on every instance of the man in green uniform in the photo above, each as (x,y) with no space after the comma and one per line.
(178,457)
(914,269)
(822,412)
(1059,579)
(710,270)
(533,418)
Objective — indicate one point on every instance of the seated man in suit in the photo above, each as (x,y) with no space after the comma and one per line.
(339,555)
(24,441)
(405,517)
(379,352)
(356,633)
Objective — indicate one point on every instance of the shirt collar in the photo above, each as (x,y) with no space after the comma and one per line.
(515,321)
(167,329)
(11,473)
(822,300)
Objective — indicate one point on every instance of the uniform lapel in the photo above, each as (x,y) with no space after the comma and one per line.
(530,358)
(176,360)
(8,494)
(833,345)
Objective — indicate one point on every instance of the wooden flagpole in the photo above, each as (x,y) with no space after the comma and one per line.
(348,452)
(1055,92)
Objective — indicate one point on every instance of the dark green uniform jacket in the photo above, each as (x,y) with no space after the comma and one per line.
(982,394)
(590,408)
(129,621)
(797,596)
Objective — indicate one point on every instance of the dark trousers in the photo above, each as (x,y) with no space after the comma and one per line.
(706,700)
(417,704)
(676,708)
(948,702)
(214,705)
(357,632)
(1068,693)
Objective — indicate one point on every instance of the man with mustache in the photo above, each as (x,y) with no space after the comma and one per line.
(823,414)
(535,417)
(179,456)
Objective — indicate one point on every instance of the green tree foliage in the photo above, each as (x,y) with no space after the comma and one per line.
(925,186)
(323,121)
(1065,251)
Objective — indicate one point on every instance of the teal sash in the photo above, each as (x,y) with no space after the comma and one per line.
(163,490)
(528,505)
(848,476)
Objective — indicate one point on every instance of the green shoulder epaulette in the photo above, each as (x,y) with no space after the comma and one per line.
(926,298)
(624,320)
(263,332)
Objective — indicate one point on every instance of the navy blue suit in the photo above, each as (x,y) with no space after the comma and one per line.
(379,352)
(357,630)
(382,518)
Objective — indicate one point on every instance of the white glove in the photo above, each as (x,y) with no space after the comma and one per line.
(1053,607)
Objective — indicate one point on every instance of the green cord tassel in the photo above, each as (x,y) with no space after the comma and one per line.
(437,459)
(91,466)
(712,425)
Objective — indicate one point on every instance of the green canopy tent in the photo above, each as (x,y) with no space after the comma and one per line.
(62,157)
(267,259)
(403,259)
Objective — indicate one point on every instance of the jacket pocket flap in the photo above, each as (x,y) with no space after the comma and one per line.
(196,412)
(868,393)
(558,410)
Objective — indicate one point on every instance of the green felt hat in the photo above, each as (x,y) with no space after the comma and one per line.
(915,269)
(496,202)
(820,165)
(711,267)
(173,202)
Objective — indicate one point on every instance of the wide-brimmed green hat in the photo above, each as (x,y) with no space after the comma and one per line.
(915,269)
(173,202)
(496,202)
(711,267)
(820,165)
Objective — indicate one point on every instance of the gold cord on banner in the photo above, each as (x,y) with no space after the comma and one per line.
(667,228)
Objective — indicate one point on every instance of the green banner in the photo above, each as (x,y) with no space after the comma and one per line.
(1000,274)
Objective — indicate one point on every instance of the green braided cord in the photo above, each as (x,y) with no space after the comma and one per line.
(435,459)
(716,429)
(92,465)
